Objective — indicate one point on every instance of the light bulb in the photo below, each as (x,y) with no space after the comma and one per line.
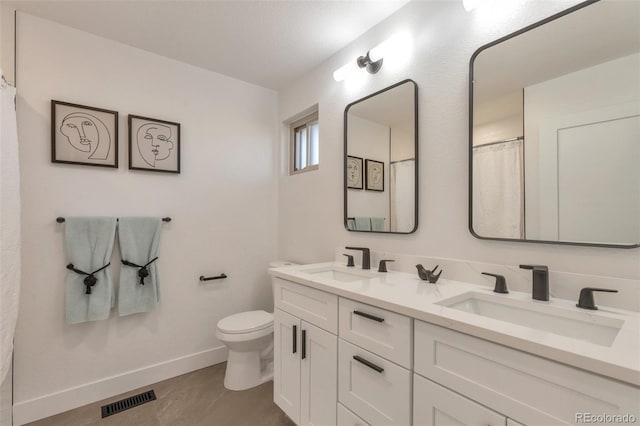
(393,43)
(345,71)
(469,5)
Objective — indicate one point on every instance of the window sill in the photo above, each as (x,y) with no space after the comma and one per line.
(305,170)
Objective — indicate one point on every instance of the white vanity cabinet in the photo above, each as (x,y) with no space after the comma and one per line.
(524,387)
(305,355)
(347,418)
(434,405)
(342,361)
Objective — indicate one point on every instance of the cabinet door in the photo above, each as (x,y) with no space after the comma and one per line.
(319,376)
(286,363)
(347,418)
(375,389)
(434,405)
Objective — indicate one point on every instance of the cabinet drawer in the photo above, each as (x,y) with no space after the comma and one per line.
(347,418)
(378,397)
(384,333)
(434,405)
(317,307)
(524,387)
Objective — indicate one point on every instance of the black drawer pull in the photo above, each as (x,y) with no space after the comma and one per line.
(369,316)
(295,339)
(368,364)
(304,344)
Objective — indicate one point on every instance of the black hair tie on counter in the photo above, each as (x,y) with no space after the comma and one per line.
(90,279)
(143,272)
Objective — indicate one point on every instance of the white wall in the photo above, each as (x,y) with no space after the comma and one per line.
(223,206)
(444,38)
(403,142)
(498,119)
(6,42)
(585,96)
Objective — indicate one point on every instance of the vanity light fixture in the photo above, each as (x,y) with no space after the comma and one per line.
(372,60)
(367,62)
(469,5)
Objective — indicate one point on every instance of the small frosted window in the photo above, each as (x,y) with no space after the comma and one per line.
(305,144)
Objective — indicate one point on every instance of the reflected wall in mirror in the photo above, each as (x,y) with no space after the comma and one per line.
(381,151)
(555,130)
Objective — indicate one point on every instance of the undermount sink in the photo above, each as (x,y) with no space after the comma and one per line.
(335,274)
(586,326)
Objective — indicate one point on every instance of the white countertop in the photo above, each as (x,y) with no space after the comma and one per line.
(408,295)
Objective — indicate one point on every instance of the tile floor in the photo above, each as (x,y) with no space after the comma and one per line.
(198,398)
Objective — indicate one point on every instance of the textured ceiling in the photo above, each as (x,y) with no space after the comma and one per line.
(268,43)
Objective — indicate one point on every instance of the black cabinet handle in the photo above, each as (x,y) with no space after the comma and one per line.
(304,344)
(369,316)
(295,339)
(368,364)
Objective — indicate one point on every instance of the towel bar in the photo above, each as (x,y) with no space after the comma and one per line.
(60,219)
(219,277)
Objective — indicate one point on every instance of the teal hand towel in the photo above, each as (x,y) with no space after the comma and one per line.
(377,223)
(363,223)
(139,281)
(89,245)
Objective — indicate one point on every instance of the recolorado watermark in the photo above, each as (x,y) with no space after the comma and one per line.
(605,418)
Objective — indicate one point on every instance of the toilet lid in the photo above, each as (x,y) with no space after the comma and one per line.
(245,322)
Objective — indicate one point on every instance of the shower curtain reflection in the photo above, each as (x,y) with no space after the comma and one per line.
(498,189)
(402,194)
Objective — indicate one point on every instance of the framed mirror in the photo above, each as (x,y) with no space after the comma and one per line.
(554,130)
(381,161)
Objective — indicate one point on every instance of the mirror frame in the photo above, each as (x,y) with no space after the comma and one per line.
(344,168)
(470,152)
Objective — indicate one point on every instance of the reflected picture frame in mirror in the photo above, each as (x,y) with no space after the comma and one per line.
(381,130)
(543,154)
(354,173)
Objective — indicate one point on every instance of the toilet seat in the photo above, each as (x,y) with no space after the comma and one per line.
(246,322)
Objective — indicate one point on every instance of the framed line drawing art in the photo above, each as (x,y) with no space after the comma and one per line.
(154,144)
(375,175)
(354,172)
(84,135)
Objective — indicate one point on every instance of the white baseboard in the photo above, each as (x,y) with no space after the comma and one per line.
(68,399)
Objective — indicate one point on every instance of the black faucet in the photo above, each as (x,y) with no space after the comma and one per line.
(586,297)
(382,266)
(540,289)
(366,256)
(501,283)
(349,260)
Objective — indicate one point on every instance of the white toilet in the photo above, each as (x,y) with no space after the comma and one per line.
(249,337)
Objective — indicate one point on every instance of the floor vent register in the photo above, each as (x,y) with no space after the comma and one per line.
(125,404)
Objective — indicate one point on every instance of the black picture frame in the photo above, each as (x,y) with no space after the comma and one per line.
(83,135)
(354,180)
(154,144)
(374,176)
